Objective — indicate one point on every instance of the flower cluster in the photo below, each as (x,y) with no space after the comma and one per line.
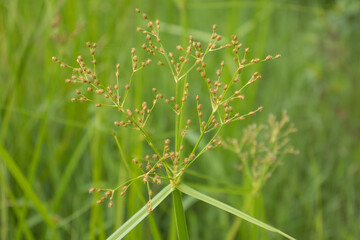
(223,93)
(262,149)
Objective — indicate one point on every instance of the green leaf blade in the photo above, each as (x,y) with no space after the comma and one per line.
(141,214)
(195,194)
(26,187)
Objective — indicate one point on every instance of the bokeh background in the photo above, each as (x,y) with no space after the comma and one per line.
(53,151)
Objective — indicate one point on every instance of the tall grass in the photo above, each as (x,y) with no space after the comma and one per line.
(58,150)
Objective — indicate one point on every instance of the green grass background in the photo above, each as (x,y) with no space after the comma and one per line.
(53,150)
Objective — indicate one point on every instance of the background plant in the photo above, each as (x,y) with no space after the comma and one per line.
(261,151)
(60,149)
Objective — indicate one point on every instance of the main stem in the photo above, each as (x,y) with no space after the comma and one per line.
(180,220)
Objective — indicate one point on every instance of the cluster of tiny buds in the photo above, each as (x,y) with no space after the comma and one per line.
(151,164)
(216,37)
(84,74)
(139,116)
(213,144)
(177,63)
(63,65)
(154,32)
(150,168)
(108,193)
(135,60)
(148,204)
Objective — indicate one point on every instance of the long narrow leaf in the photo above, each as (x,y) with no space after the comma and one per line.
(69,171)
(26,186)
(15,208)
(141,214)
(195,194)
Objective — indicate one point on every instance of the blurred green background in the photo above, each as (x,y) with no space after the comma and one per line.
(56,150)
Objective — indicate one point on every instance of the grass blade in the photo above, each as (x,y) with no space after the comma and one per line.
(14,207)
(195,194)
(26,186)
(141,214)
(180,216)
(69,171)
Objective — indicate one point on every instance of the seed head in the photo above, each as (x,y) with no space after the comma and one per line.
(129,113)
(218,72)
(179,47)
(268,57)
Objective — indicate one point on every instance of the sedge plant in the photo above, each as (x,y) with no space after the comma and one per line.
(260,151)
(168,162)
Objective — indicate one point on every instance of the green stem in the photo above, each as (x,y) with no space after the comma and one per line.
(179,216)
(177,118)
(234,230)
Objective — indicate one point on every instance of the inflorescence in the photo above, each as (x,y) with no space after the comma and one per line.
(172,161)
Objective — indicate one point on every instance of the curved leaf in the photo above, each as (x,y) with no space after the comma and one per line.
(195,194)
(141,214)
